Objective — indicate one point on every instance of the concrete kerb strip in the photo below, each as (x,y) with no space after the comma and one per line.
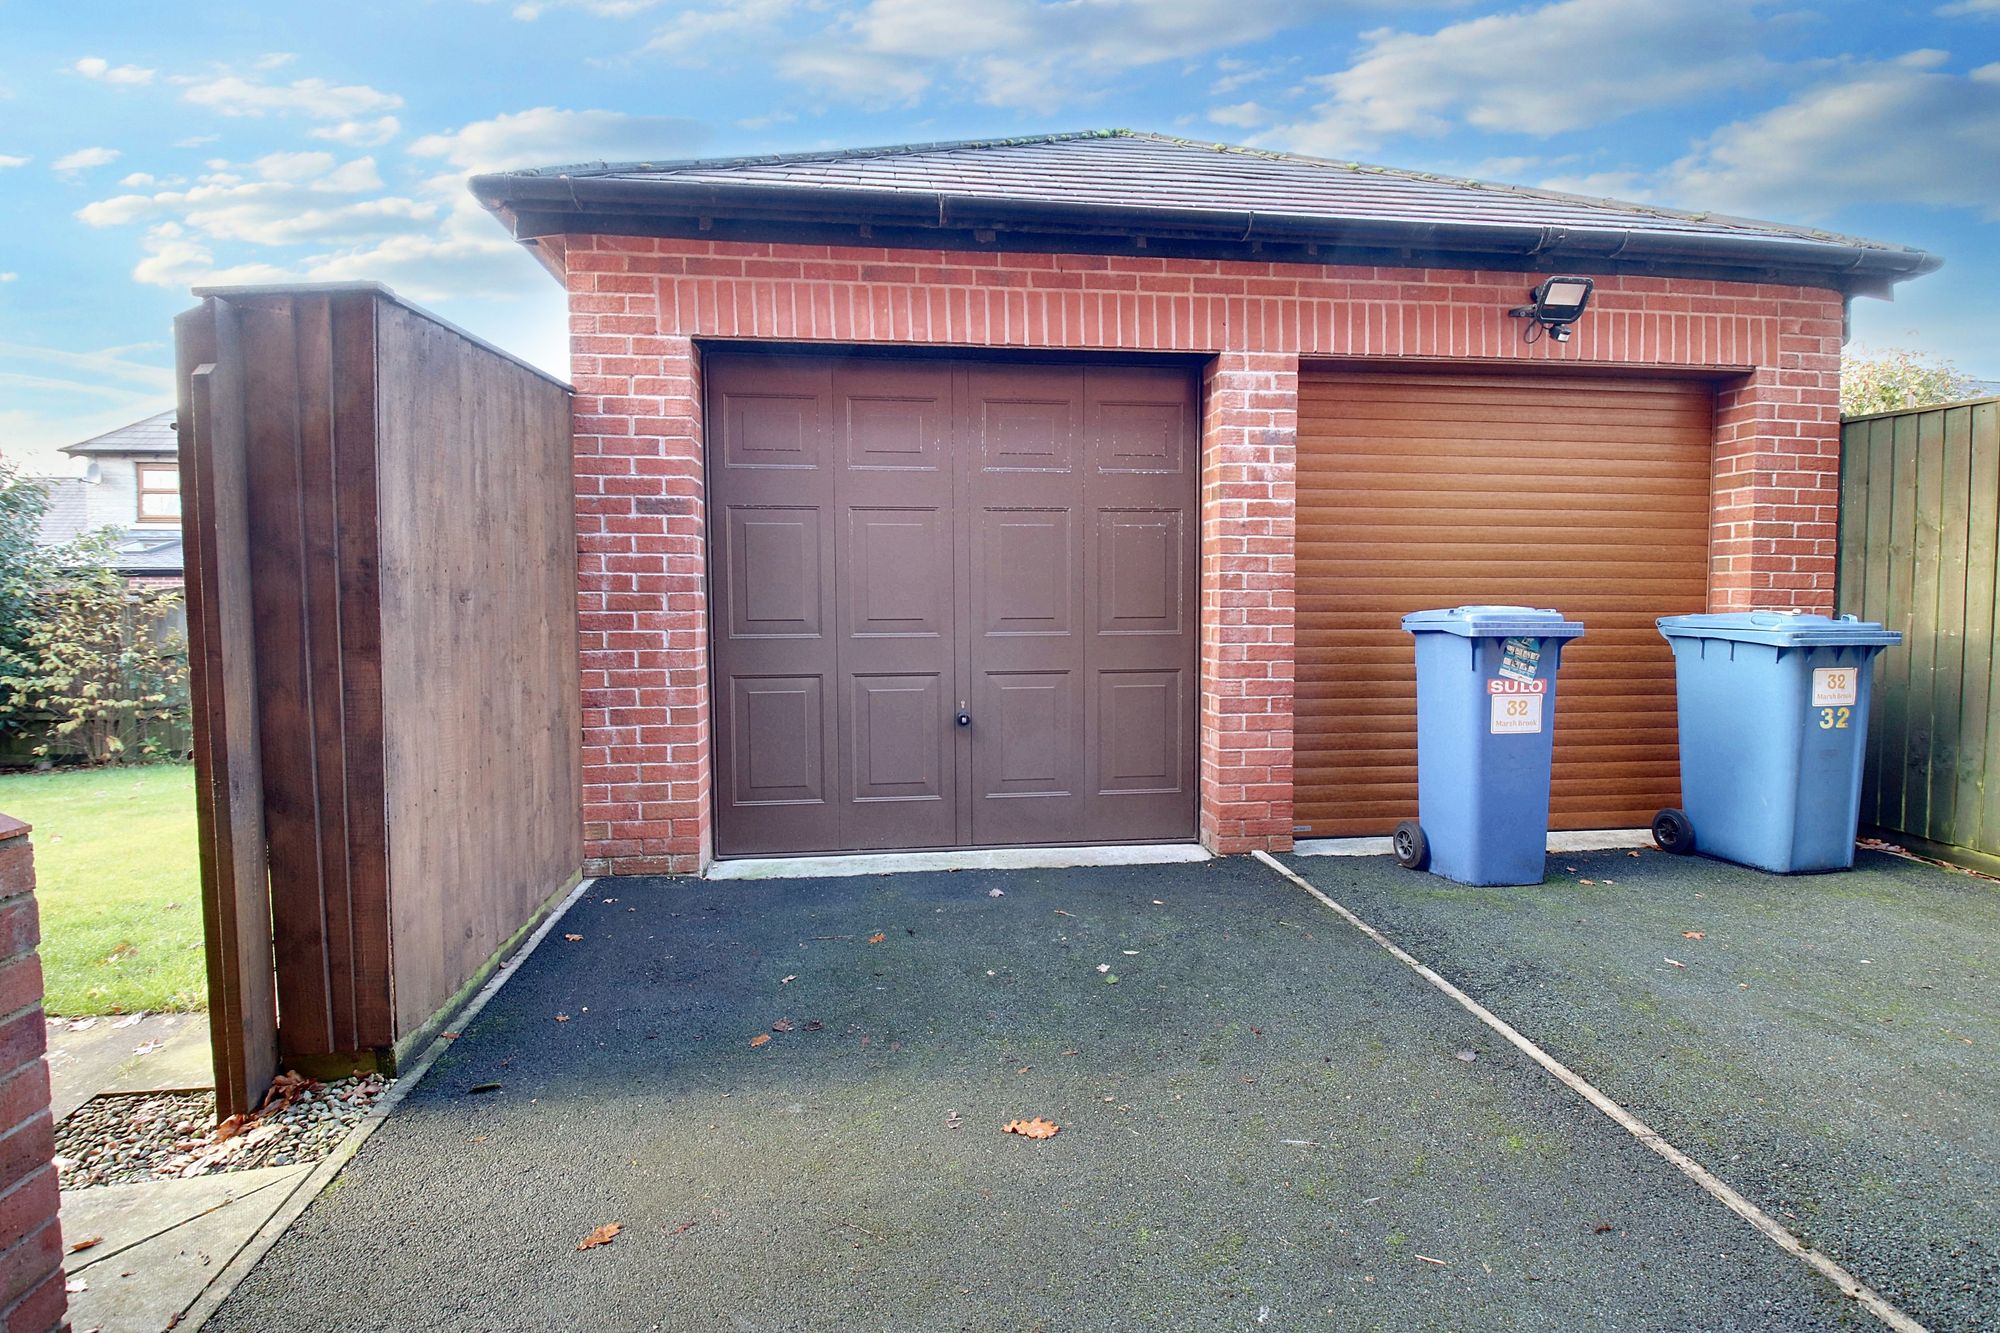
(238,1266)
(1860,1292)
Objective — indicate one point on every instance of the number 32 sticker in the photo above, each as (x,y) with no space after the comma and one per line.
(1834,693)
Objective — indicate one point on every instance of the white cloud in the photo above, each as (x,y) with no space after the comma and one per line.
(288,199)
(95,67)
(8,277)
(360,133)
(547,136)
(1970,9)
(273,60)
(55,397)
(232,94)
(1898,131)
(1013,53)
(1243,115)
(83,159)
(10,160)
(196,140)
(1569,65)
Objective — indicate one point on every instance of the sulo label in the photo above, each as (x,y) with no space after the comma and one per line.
(1834,686)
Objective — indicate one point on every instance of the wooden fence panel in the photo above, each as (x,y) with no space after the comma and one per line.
(1920,552)
(229,785)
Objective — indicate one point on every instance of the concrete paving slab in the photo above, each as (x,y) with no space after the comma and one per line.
(1824,1043)
(106,1057)
(1267,1122)
(162,1242)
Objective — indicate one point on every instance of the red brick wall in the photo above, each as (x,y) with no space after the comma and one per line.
(638,305)
(31,1277)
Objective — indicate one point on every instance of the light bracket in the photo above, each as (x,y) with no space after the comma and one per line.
(1556,304)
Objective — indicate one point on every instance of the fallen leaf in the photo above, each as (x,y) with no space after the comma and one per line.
(1467,1056)
(1586,881)
(782,1025)
(76,1285)
(996,893)
(88,1242)
(483,1087)
(147,1047)
(562,1018)
(1104,967)
(1439,1262)
(1634,855)
(786,981)
(877,937)
(1111,978)
(1038,1128)
(1601,1228)
(1675,962)
(814,1025)
(599,1236)
(1024,1069)
(952,1120)
(1060,912)
(449,1036)
(760,1039)
(1158,903)
(572,938)
(1694,934)
(230,1128)
(683,1228)
(1069,1052)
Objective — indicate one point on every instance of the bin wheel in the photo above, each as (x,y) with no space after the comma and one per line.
(1673,833)
(1413,850)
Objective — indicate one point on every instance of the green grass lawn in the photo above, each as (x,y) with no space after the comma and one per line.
(118,885)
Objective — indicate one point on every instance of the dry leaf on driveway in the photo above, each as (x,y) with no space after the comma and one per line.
(877,937)
(1694,934)
(760,1039)
(87,1243)
(599,1236)
(572,938)
(782,1025)
(1038,1128)
(562,1018)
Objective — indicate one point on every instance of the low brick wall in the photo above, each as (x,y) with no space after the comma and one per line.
(31,1276)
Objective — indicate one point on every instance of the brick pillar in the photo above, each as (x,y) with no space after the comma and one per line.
(1776,525)
(31,1275)
(1249,438)
(642,599)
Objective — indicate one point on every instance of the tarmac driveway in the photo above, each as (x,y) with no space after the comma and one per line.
(1267,1122)
(1827,1044)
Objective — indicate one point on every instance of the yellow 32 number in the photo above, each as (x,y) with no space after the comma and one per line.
(1517,708)
(1833,719)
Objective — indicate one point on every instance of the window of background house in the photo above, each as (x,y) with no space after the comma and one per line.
(159,493)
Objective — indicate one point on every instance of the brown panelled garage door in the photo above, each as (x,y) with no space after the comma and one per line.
(1587,494)
(895,544)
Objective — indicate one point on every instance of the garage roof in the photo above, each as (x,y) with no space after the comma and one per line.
(1101,189)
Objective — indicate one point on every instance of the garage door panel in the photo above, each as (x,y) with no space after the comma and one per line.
(913,537)
(1584,494)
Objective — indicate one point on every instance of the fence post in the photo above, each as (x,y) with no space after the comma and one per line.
(31,1274)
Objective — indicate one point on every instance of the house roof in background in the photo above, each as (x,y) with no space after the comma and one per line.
(152,435)
(65,510)
(1120,182)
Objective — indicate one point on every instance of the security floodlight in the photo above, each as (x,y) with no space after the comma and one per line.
(1558,303)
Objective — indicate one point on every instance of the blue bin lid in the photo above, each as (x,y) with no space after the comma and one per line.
(1494,622)
(1781,629)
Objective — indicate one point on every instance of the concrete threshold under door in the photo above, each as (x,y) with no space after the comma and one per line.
(1582,840)
(977,858)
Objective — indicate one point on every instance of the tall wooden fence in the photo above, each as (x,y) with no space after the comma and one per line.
(1920,552)
(382,613)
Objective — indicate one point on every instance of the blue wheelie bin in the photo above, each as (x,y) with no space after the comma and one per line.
(1773,722)
(1486,702)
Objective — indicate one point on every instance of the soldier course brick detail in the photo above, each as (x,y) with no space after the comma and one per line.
(31,1273)
(640,309)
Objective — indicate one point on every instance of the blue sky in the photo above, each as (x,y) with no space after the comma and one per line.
(148,148)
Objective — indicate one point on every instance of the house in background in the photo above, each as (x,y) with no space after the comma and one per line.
(132,487)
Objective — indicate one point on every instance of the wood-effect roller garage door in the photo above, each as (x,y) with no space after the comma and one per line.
(1416,490)
(895,545)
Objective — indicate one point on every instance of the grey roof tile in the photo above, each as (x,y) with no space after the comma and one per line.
(153,435)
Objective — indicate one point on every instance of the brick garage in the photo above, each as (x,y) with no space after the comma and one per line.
(809,251)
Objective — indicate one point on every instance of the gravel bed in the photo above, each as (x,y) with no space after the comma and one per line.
(118,1138)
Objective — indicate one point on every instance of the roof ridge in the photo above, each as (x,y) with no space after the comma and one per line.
(602,168)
